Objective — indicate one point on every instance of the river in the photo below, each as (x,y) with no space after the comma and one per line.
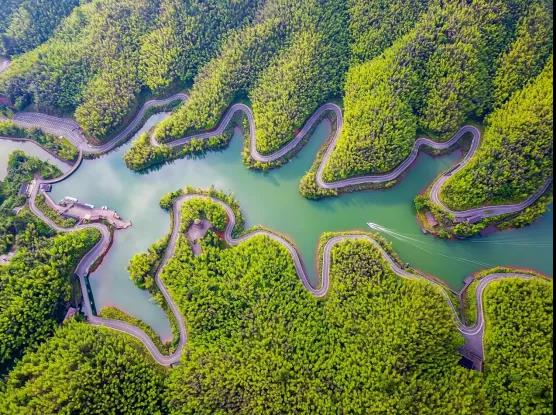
(272,199)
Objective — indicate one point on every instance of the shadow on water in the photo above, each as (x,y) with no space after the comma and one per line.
(272,199)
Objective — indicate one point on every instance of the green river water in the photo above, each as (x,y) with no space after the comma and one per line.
(272,199)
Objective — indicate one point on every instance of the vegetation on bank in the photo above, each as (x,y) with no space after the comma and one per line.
(245,339)
(143,155)
(515,157)
(35,288)
(254,331)
(40,202)
(142,266)
(106,51)
(60,146)
(114,313)
(518,346)
(432,79)
(446,227)
(84,369)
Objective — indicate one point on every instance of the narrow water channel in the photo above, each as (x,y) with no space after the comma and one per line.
(272,199)
(7,147)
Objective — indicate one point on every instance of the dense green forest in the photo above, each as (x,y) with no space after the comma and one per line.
(258,342)
(518,347)
(431,80)
(21,169)
(25,24)
(252,350)
(308,72)
(527,54)
(83,369)
(291,44)
(35,288)
(35,285)
(515,158)
(375,25)
(106,51)
(402,68)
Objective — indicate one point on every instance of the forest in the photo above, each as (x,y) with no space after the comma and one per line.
(21,169)
(252,351)
(25,24)
(400,69)
(36,287)
(258,342)
(518,344)
(516,158)
(84,369)
(36,284)
(435,78)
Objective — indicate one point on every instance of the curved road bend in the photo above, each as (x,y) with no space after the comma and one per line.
(68,128)
(83,270)
(58,127)
(480,212)
(472,334)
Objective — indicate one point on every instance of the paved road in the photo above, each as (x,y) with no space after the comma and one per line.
(71,130)
(84,267)
(480,212)
(473,334)
(68,128)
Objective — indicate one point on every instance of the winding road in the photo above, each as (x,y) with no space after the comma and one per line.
(68,128)
(459,216)
(84,267)
(473,334)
